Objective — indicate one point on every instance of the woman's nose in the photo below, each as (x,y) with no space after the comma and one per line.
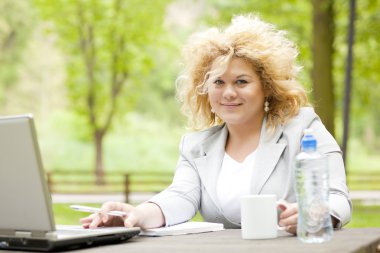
(229,92)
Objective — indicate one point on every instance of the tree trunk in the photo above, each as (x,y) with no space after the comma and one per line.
(99,168)
(323,38)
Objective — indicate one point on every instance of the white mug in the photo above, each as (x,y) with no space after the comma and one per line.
(259,217)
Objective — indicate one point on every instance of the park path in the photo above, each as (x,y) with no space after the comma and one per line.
(367,197)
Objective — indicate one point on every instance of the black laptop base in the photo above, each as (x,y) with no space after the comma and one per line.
(30,244)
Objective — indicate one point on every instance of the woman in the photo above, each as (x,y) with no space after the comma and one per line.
(240,88)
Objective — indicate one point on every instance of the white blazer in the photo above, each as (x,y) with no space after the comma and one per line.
(201,155)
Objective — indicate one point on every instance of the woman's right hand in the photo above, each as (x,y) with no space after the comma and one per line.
(102,219)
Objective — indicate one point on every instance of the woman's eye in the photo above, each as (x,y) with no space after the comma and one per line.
(218,82)
(241,81)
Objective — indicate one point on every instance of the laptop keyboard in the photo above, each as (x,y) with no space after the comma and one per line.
(77,231)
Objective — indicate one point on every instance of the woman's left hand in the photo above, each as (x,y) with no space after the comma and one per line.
(288,216)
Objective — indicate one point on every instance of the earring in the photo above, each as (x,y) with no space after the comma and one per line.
(266,106)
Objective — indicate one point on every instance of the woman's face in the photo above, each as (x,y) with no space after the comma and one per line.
(237,97)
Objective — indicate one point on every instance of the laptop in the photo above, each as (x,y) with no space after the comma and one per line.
(26,216)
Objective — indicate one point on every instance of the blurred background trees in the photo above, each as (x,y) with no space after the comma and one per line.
(102,73)
(323,53)
(16,24)
(105,44)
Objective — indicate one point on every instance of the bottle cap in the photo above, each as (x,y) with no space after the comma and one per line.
(308,143)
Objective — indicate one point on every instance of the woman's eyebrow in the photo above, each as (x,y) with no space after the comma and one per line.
(243,75)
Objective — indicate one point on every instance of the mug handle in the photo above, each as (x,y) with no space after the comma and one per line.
(281,204)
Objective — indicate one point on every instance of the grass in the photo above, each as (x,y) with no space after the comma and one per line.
(364,216)
(64,215)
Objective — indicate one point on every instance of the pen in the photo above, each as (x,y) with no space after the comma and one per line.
(89,209)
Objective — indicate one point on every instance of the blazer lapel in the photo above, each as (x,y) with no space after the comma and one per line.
(267,156)
(210,163)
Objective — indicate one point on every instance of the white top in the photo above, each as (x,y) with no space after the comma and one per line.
(234,181)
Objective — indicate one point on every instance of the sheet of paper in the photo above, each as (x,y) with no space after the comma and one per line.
(184,228)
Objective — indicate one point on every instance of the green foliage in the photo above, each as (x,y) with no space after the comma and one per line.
(146,137)
(365,92)
(157,98)
(16,24)
(366,82)
(106,44)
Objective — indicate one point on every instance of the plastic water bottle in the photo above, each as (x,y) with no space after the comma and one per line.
(312,190)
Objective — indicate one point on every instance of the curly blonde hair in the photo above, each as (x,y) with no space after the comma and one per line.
(272,55)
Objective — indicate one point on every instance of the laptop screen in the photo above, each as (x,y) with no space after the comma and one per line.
(25,200)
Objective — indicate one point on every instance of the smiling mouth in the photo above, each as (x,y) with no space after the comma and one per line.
(231,105)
